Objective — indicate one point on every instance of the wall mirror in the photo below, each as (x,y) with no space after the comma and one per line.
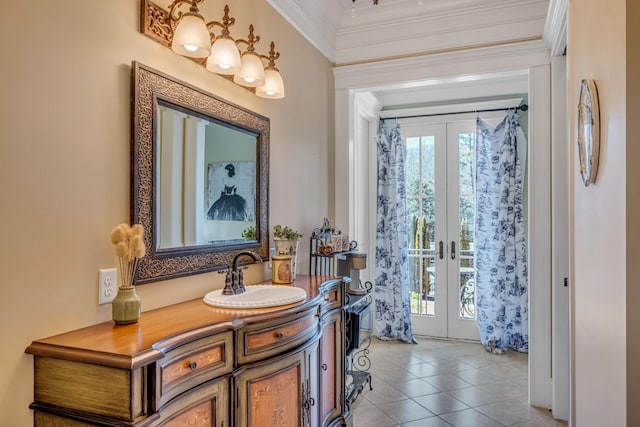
(200,169)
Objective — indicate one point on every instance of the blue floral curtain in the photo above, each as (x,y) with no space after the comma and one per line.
(500,244)
(392,269)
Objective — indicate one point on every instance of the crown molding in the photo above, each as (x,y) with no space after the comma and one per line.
(555,29)
(462,24)
(317,21)
(403,27)
(392,11)
(415,69)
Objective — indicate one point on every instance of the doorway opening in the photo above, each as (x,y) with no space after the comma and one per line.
(440,216)
(441,212)
(356,164)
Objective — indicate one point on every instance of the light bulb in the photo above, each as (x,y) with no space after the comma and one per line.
(191,37)
(224,58)
(251,72)
(273,87)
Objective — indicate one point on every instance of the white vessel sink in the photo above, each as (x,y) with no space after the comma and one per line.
(257,296)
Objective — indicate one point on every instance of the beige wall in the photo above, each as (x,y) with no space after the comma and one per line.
(65,115)
(633,210)
(604,234)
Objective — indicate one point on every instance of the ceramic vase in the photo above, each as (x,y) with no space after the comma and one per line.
(288,247)
(125,307)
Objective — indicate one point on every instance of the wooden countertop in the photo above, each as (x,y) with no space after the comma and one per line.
(130,346)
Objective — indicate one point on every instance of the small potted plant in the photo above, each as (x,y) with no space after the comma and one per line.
(249,233)
(286,242)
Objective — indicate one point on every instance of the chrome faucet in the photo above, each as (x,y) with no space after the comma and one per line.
(234,281)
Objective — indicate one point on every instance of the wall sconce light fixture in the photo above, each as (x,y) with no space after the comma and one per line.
(187,33)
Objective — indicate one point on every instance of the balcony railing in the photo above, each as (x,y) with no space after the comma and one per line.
(422,275)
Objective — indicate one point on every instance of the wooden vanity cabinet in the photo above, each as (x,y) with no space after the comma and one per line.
(194,365)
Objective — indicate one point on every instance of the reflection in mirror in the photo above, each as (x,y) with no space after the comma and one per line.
(199,177)
(206,179)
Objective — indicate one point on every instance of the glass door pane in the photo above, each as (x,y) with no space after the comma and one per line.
(420,177)
(426,222)
(466,294)
(460,217)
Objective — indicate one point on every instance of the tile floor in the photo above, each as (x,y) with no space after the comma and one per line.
(441,383)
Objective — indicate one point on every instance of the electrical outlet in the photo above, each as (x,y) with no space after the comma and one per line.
(107,285)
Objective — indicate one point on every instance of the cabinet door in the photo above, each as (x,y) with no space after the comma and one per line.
(271,394)
(310,392)
(331,367)
(203,406)
(282,392)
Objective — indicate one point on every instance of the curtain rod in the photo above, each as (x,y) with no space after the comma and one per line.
(522,107)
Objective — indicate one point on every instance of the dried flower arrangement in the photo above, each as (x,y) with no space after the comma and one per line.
(130,248)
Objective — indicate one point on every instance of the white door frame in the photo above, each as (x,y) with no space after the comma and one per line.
(560,226)
(533,56)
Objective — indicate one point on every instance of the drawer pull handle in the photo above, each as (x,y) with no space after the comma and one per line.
(324,366)
(279,335)
(191,365)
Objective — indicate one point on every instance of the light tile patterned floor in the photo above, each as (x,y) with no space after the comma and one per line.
(442,383)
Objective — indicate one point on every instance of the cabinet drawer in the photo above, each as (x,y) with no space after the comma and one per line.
(262,340)
(331,299)
(192,364)
(204,406)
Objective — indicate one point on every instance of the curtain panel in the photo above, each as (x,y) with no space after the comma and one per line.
(393,320)
(501,247)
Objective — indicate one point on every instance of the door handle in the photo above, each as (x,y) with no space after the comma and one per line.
(441,249)
(453,250)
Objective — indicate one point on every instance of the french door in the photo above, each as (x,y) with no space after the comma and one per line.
(440,215)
